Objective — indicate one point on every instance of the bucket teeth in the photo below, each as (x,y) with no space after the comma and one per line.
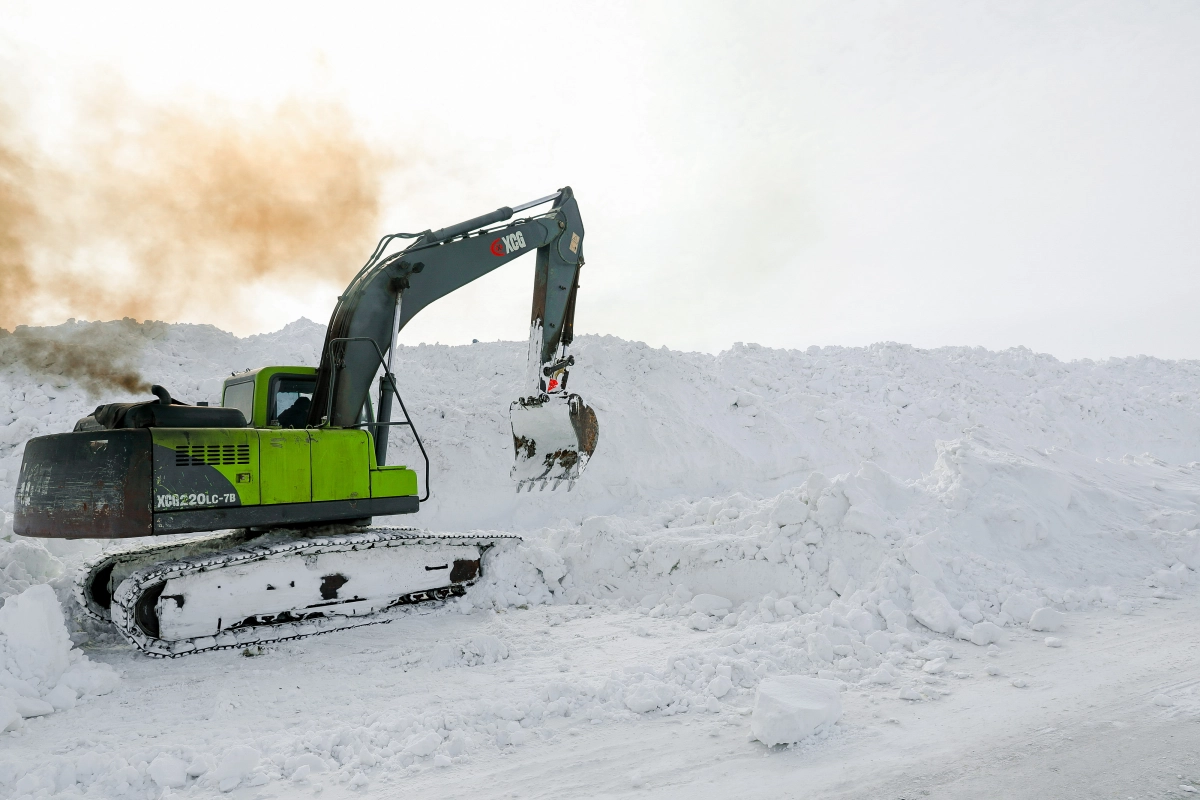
(542,483)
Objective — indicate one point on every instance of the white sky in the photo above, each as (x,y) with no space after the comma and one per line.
(981,173)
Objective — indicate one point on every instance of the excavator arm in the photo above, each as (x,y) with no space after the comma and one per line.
(554,433)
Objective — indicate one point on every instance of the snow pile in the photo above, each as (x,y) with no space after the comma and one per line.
(860,577)
(848,515)
(792,708)
(994,532)
(40,672)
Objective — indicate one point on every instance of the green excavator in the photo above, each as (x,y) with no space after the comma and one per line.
(292,467)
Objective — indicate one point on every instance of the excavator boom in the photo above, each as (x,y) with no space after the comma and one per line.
(554,434)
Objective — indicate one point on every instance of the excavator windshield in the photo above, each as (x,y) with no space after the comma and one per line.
(289,400)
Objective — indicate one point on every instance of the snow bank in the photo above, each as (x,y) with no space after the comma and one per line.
(40,672)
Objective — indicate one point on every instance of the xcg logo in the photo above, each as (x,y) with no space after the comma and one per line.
(508,244)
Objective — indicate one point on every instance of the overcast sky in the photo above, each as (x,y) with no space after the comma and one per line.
(938,173)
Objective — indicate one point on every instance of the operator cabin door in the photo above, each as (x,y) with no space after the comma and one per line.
(285,445)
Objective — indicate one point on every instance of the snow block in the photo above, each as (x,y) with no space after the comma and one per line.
(831,508)
(931,608)
(423,744)
(793,707)
(1020,606)
(10,718)
(167,771)
(237,762)
(34,636)
(1047,619)
(648,695)
(790,511)
(711,604)
(922,559)
(985,633)
(866,519)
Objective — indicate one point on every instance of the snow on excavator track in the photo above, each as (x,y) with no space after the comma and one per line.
(235,590)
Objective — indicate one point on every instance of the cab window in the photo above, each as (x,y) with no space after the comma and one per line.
(289,399)
(241,397)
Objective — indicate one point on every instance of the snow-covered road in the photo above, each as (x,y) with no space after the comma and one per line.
(1085,725)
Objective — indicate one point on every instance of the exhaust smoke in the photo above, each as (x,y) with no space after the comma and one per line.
(174,212)
(96,358)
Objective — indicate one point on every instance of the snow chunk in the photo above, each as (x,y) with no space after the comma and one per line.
(970,612)
(36,646)
(931,608)
(985,633)
(790,511)
(831,508)
(238,762)
(820,648)
(168,771)
(922,559)
(648,695)
(1020,606)
(62,697)
(711,604)
(793,707)
(38,665)
(423,744)
(1047,619)
(879,641)
(10,718)
(867,518)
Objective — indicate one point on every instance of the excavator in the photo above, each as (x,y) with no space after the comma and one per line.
(286,475)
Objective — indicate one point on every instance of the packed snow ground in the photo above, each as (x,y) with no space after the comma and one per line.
(974,546)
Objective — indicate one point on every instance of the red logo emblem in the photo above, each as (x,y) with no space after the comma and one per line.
(498,248)
(550,387)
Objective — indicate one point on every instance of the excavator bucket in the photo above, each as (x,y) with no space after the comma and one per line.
(554,437)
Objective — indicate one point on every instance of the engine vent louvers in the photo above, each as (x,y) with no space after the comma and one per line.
(213,455)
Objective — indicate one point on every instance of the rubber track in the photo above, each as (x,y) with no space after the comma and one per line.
(125,597)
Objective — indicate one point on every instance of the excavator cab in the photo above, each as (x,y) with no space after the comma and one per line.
(272,396)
